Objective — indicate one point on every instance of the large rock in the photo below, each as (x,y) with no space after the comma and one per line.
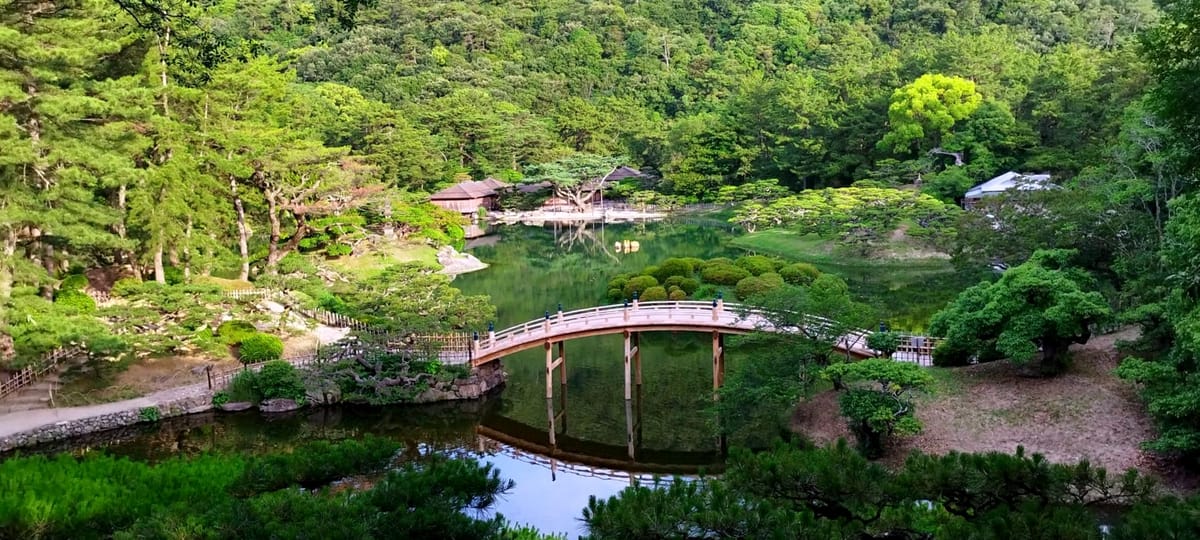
(235,406)
(279,405)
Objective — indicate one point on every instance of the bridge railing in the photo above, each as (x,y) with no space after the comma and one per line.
(912,348)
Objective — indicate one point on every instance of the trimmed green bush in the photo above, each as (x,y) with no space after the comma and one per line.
(279,380)
(672,281)
(650,270)
(615,295)
(677,294)
(73,282)
(260,348)
(756,264)
(716,261)
(654,294)
(639,284)
(799,273)
(756,285)
(235,331)
(74,300)
(673,268)
(723,274)
(689,285)
(619,281)
(695,262)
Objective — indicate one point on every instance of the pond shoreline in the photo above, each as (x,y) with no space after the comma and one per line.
(40,426)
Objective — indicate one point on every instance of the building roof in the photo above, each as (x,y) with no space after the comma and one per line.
(469,190)
(1009,181)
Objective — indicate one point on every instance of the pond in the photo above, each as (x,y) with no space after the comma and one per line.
(602,443)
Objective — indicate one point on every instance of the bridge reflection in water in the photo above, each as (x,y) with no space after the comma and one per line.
(557,451)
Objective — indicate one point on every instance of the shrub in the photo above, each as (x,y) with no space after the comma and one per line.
(244,387)
(673,267)
(945,355)
(173,275)
(260,347)
(314,464)
(672,281)
(639,284)
(220,398)
(695,262)
(689,285)
(73,282)
(619,281)
(654,294)
(756,285)
(148,414)
(338,250)
(235,331)
(756,264)
(279,380)
(126,286)
(705,292)
(723,274)
(677,294)
(74,300)
(716,261)
(615,295)
(799,273)
(885,343)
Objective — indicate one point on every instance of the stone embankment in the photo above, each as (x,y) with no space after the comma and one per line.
(30,428)
(454,263)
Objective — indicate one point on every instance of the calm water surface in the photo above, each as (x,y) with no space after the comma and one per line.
(533,270)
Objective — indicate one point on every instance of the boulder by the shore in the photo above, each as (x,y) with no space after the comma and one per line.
(454,263)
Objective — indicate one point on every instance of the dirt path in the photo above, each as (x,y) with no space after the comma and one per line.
(1087,413)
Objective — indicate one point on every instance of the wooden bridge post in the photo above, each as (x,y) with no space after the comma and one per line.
(550,420)
(632,449)
(718,361)
(562,358)
(560,313)
(628,359)
(549,372)
(637,358)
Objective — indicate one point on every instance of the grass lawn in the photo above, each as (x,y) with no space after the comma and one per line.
(813,249)
(372,262)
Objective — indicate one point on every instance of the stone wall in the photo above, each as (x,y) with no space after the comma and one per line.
(189,404)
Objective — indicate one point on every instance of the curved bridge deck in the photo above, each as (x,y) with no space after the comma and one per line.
(689,316)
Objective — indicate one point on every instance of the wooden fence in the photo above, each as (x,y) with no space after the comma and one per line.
(32,373)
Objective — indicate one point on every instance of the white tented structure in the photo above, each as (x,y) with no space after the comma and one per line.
(1006,182)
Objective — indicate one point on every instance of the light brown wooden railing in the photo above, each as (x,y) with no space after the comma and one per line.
(33,373)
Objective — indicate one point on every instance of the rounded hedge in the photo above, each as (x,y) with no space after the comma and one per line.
(673,268)
(723,274)
(615,295)
(260,348)
(799,273)
(639,284)
(235,331)
(716,261)
(672,281)
(756,264)
(654,294)
(75,300)
(705,292)
(695,262)
(689,285)
(279,380)
(756,285)
(677,294)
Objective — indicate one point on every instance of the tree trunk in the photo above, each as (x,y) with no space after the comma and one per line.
(243,232)
(279,253)
(160,274)
(187,251)
(9,251)
(273,219)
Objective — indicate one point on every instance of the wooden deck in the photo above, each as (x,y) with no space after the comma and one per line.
(685,316)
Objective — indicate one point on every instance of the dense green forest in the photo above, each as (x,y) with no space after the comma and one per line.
(188,141)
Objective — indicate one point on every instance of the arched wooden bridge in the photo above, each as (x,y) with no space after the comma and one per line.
(630,319)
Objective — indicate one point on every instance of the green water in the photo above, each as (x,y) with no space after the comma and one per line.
(533,269)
